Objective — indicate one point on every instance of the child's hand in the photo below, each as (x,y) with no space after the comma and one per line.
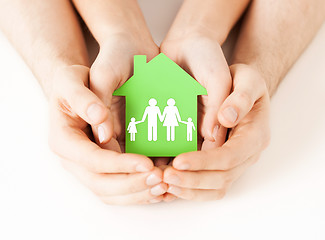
(115,177)
(208,174)
(112,67)
(203,58)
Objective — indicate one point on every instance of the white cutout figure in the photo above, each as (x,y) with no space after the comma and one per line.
(152,111)
(132,129)
(189,126)
(171,118)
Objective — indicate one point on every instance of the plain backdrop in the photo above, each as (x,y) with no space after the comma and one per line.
(280,197)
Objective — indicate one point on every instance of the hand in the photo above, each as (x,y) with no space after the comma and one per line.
(202,57)
(115,177)
(208,174)
(113,67)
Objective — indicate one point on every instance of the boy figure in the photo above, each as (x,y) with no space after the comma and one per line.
(189,126)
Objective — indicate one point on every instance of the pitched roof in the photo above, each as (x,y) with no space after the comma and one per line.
(160,75)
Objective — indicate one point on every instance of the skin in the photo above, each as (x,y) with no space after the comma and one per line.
(262,57)
(54,48)
(80,97)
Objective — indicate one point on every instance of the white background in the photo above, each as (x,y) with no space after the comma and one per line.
(280,197)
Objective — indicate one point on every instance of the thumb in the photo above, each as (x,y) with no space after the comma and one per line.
(82,101)
(248,87)
(103,83)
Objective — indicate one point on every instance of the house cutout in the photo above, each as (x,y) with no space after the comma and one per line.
(161,108)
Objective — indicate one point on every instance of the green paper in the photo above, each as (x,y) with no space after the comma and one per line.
(175,93)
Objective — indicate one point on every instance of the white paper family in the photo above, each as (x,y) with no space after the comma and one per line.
(170,119)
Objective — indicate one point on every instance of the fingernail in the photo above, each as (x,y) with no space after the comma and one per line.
(153,179)
(184,166)
(215,132)
(142,168)
(174,190)
(173,179)
(101,134)
(95,112)
(154,200)
(230,114)
(157,190)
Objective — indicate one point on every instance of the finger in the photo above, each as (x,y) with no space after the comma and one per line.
(248,138)
(104,80)
(212,71)
(73,144)
(78,97)
(206,179)
(248,88)
(196,194)
(114,184)
(168,197)
(161,161)
(144,197)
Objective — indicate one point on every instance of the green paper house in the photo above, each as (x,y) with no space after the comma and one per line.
(161,108)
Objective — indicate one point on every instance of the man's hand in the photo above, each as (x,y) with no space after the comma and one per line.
(115,177)
(208,174)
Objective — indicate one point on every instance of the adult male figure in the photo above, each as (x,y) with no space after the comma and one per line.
(152,111)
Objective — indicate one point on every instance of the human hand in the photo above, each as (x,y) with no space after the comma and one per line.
(209,173)
(115,177)
(111,69)
(202,57)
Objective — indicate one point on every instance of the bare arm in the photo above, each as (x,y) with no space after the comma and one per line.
(214,18)
(275,33)
(46,34)
(145,115)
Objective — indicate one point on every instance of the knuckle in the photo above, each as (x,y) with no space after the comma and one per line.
(244,99)
(225,179)
(220,194)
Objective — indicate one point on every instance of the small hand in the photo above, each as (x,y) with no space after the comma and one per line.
(113,67)
(202,57)
(208,174)
(115,177)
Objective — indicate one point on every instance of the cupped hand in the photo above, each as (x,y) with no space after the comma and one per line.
(113,67)
(209,173)
(202,57)
(115,177)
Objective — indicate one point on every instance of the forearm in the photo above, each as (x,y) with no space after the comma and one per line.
(113,17)
(46,33)
(274,34)
(214,18)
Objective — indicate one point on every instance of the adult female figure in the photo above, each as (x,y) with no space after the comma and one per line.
(171,118)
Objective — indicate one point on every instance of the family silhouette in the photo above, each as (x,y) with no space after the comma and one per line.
(170,119)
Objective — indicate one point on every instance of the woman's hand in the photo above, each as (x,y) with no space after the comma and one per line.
(111,69)
(115,177)
(208,174)
(202,57)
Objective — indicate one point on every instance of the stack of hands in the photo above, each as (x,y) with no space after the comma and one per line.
(82,96)
(87,122)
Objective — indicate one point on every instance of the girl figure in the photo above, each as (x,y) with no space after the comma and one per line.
(171,118)
(132,129)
